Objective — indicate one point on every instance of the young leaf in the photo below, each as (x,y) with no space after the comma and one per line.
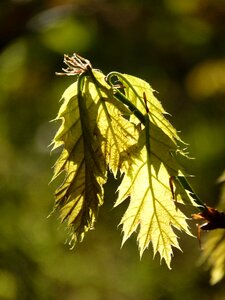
(94,135)
(147,182)
(120,126)
(151,205)
(81,193)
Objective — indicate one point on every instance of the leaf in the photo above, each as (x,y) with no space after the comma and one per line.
(152,209)
(81,193)
(94,135)
(151,206)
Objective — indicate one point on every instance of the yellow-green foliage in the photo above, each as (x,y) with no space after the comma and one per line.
(101,132)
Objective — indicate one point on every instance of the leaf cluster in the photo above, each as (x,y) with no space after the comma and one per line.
(115,124)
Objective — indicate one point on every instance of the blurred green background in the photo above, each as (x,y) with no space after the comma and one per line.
(177,46)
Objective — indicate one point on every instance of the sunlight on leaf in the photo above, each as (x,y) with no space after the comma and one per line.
(151,205)
(134,89)
(122,128)
(116,134)
(93,135)
(81,193)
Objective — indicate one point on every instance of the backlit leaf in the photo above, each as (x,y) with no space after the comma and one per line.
(81,193)
(119,125)
(94,135)
(134,88)
(116,133)
(152,210)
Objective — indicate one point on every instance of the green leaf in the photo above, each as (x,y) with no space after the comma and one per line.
(81,193)
(94,135)
(151,207)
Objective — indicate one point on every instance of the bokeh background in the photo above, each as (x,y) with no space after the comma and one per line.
(177,46)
